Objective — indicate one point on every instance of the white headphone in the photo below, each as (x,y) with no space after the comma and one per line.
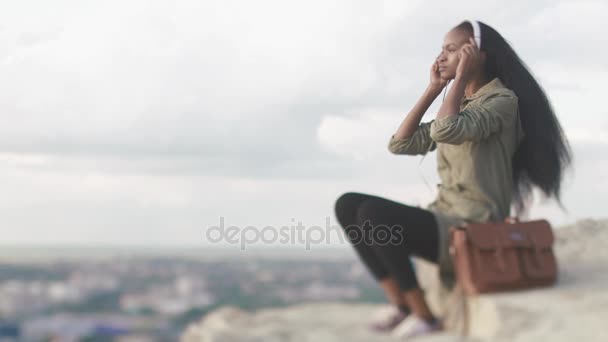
(476,32)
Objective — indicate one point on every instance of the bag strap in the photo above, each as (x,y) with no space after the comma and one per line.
(498,254)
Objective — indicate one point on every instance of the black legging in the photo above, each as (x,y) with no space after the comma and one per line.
(385,233)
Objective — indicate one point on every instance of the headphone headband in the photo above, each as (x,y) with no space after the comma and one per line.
(476,32)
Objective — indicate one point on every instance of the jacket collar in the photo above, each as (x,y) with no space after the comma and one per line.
(486,88)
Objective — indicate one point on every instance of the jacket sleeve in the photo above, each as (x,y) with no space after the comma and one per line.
(419,142)
(476,122)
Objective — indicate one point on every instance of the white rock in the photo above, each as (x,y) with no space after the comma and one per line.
(326,322)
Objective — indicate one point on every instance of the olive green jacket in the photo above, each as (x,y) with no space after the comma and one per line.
(474,153)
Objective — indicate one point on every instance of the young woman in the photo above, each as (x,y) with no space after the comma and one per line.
(496,138)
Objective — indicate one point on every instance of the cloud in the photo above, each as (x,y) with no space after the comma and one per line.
(142,121)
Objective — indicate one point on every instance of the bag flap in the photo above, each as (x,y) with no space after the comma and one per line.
(527,234)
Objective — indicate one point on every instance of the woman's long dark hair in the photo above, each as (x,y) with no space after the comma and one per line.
(544,152)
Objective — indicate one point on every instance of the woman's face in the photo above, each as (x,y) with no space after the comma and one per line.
(448,59)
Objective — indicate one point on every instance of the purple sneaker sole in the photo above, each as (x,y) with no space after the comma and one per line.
(388,325)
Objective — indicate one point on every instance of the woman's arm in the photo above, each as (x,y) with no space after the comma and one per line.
(412,137)
(451,104)
(412,120)
(479,121)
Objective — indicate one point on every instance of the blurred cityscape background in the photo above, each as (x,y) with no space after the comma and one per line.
(105,294)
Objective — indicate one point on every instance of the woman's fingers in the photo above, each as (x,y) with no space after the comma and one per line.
(463,53)
(468,49)
(473,42)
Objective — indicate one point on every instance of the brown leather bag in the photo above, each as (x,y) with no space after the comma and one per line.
(503,256)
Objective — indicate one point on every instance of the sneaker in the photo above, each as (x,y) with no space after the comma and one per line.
(414,326)
(388,319)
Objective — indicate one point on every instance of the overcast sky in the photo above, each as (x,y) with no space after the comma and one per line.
(143,122)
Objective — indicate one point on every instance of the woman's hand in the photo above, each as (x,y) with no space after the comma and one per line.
(468,60)
(436,80)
